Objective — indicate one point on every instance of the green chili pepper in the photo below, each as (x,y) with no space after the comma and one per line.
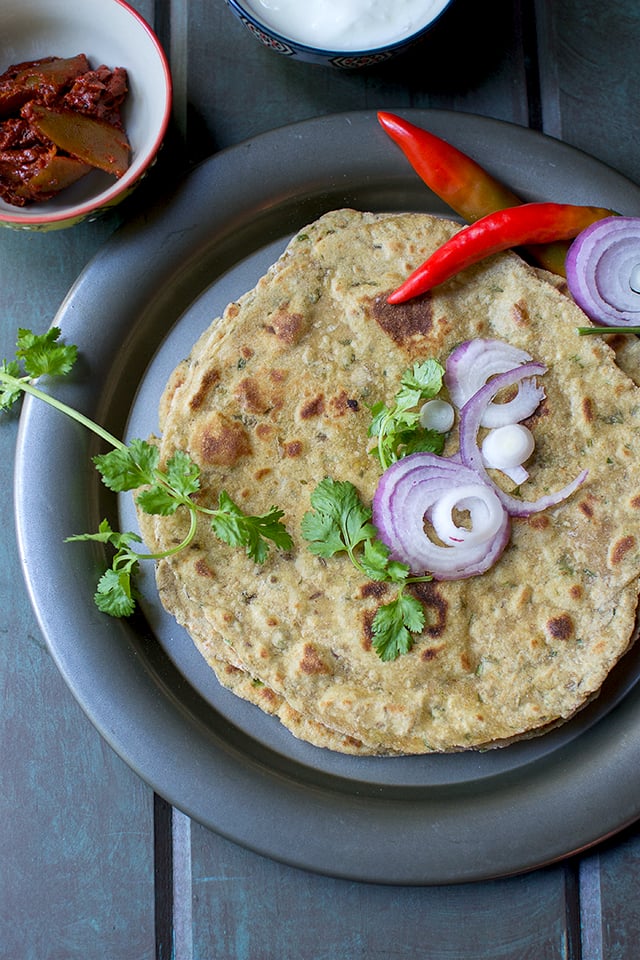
(461,182)
(501,230)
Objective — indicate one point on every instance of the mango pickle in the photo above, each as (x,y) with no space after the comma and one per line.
(49,76)
(90,140)
(57,174)
(59,119)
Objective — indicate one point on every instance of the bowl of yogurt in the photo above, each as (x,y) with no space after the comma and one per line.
(342,33)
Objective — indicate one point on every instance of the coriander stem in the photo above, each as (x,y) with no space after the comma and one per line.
(28,387)
(181,546)
(585,331)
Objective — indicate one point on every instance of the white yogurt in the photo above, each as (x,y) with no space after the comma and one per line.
(345,24)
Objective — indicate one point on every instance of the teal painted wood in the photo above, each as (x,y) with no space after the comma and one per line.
(616,865)
(590,74)
(247,907)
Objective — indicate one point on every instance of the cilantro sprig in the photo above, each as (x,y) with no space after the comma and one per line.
(36,356)
(130,467)
(397,427)
(340,523)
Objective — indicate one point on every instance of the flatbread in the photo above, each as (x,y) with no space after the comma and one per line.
(276,395)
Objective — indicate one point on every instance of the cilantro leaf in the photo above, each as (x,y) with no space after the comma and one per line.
(375,560)
(183,474)
(127,468)
(36,355)
(158,500)
(424,441)
(10,385)
(425,378)
(114,594)
(394,624)
(323,533)
(107,536)
(339,522)
(175,485)
(236,528)
(43,354)
(376,564)
(397,427)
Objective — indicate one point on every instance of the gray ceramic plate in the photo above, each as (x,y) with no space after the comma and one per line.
(134,312)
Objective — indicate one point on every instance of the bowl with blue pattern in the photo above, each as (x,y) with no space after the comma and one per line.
(348,34)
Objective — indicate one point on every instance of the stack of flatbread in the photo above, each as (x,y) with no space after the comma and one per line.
(276,395)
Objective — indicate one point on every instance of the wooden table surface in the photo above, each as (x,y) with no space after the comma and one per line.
(93,865)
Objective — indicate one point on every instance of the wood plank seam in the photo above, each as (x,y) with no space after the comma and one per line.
(525,14)
(163,878)
(171,21)
(548,70)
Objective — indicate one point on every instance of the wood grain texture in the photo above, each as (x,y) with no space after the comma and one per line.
(612,872)
(247,907)
(590,78)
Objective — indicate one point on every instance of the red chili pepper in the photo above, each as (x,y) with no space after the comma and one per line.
(501,230)
(461,182)
(451,174)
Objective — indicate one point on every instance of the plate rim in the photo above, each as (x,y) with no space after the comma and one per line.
(453,849)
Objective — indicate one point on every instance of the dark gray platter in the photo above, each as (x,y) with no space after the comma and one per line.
(134,312)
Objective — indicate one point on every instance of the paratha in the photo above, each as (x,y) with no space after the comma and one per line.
(277,394)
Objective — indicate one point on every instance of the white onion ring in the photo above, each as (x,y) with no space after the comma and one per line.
(473,363)
(411,489)
(601,264)
(485,512)
(507,448)
(471,455)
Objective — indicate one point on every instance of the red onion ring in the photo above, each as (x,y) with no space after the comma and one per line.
(603,267)
(426,485)
(471,456)
(473,363)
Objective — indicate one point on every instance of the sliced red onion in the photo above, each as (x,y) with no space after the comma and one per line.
(473,363)
(425,486)
(471,455)
(603,271)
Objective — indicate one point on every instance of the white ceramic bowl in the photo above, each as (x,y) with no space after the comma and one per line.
(258,20)
(109,32)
